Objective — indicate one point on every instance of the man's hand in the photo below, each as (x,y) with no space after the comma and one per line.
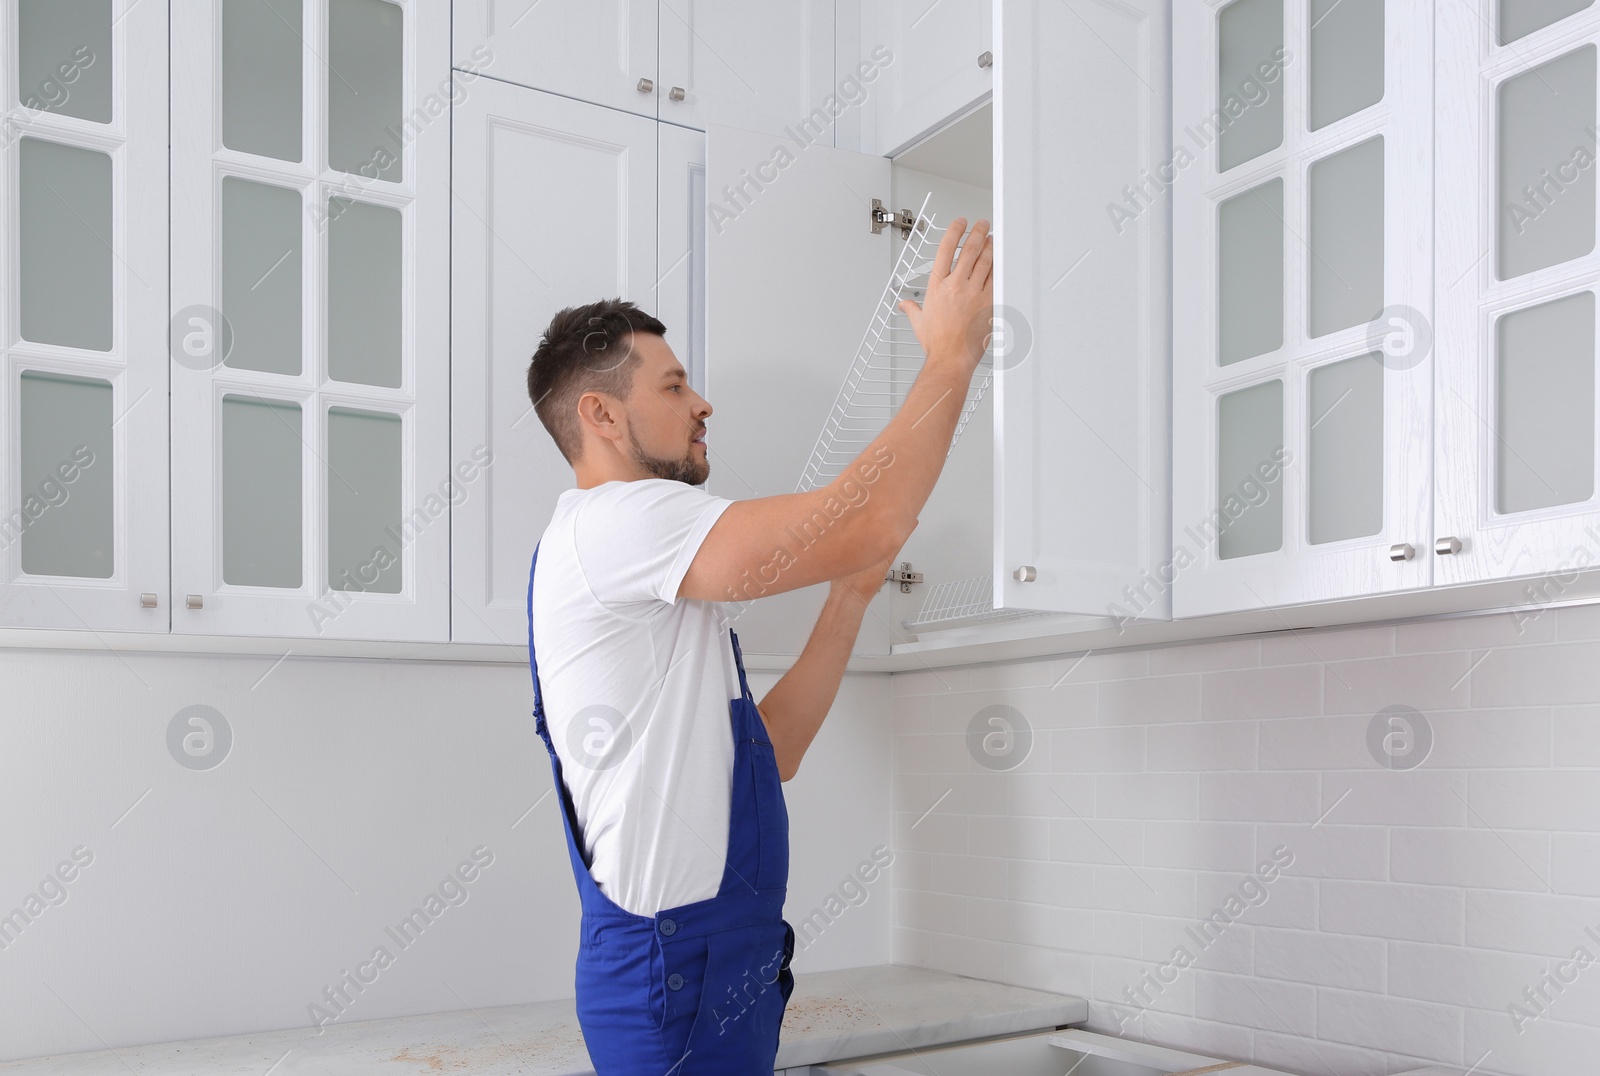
(955,319)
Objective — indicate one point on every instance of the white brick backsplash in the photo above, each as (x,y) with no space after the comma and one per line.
(1425,681)
(1203,846)
(1457,976)
(1416,1028)
(1227,745)
(1152,700)
(1475,858)
(1322,959)
(1575,865)
(1106,749)
(1281,691)
(1415,797)
(1560,799)
(1205,656)
(1243,1000)
(1561,674)
(1259,797)
(1316,743)
(1114,978)
(1328,851)
(1386,910)
(1577,736)
(1539,923)
(1496,739)
(1155,795)
(1420,903)
(1067,884)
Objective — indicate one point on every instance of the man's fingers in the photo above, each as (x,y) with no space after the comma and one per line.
(971,250)
(947,249)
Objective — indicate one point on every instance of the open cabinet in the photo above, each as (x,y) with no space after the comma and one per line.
(1055,499)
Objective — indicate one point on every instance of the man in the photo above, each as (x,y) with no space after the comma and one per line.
(669,771)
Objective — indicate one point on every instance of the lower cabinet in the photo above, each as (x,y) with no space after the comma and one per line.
(1046,1053)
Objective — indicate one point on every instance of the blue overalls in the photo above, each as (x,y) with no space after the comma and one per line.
(700,988)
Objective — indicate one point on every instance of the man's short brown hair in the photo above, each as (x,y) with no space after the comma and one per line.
(584,349)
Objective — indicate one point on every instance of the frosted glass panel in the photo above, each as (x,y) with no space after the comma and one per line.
(64,57)
(1249,477)
(1519,18)
(64,260)
(1346,58)
(364,257)
(261,275)
(1345,471)
(1546,197)
(365,547)
(65,471)
(365,67)
(1250,273)
(261,444)
(1249,36)
(1345,262)
(261,77)
(1544,383)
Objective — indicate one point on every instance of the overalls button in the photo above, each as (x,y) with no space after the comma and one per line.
(669,928)
(675,981)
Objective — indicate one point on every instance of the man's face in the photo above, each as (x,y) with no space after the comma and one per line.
(666,418)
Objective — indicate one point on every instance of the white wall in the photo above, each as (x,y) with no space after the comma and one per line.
(228,899)
(1420,904)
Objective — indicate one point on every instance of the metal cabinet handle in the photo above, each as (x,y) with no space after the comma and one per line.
(1025,574)
(148,600)
(676,93)
(985,59)
(1402,551)
(194,601)
(1447,545)
(646,86)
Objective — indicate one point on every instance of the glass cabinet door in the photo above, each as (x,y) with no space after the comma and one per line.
(1518,267)
(83,374)
(311,480)
(1302,351)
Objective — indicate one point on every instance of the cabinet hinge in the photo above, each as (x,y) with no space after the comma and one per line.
(882,216)
(904,576)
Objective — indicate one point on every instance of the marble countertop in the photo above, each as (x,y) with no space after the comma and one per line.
(831,1015)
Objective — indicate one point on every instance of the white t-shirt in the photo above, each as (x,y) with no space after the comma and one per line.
(636,684)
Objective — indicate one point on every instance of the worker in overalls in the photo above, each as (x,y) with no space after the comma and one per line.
(669,772)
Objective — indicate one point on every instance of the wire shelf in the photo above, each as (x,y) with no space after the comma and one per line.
(963,600)
(885,365)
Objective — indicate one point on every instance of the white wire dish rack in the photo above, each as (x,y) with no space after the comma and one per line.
(885,365)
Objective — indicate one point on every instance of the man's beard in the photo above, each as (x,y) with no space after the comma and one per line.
(685,469)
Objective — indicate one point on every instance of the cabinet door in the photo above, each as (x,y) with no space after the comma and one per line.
(1302,275)
(763,67)
(310,229)
(1081,467)
(578,48)
(1517,272)
(83,324)
(793,275)
(936,68)
(680,289)
(555,206)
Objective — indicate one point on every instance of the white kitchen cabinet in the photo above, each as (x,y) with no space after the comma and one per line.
(679,296)
(1081,466)
(940,64)
(1517,269)
(761,67)
(1302,178)
(83,396)
(601,53)
(554,206)
(311,474)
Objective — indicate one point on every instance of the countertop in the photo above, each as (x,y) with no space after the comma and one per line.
(831,1015)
